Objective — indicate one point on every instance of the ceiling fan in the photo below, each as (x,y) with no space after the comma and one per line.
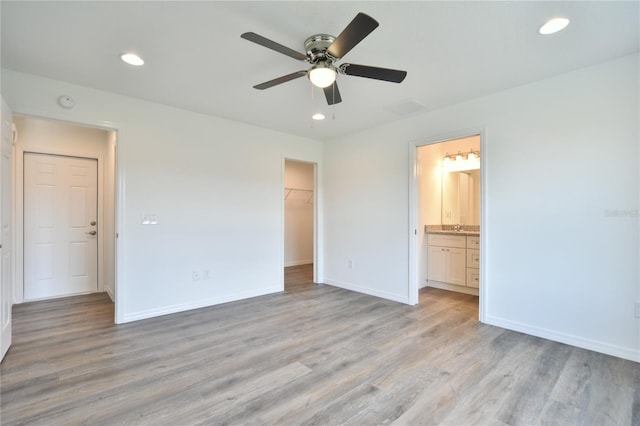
(323,51)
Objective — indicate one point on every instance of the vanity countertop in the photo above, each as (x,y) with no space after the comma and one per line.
(452,232)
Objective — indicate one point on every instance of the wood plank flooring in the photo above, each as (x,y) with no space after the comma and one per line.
(314,354)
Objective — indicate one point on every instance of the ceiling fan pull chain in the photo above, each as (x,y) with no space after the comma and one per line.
(333,106)
(312,105)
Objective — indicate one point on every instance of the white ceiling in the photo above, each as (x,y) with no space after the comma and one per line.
(196,60)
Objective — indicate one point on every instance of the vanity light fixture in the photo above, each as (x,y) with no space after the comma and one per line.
(469,160)
(553,26)
(132,59)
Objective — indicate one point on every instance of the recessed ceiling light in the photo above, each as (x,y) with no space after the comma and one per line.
(318,116)
(132,59)
(553,26)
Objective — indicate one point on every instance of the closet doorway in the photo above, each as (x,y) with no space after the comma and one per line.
(299,224)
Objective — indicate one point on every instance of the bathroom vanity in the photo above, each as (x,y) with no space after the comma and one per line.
(453,260)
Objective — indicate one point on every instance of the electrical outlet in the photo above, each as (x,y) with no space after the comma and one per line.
(636,312)
(196,275)
(206,274)
(350,264)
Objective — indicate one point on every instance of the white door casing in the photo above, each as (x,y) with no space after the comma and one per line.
(60,216)
(6,221)
(6,284)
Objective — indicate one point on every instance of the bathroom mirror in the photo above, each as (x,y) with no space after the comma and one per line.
(461,198)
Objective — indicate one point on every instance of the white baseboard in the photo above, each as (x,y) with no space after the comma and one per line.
(452,287)
(297,262)
(112,296)
(593,345)
(369,291)
(172,309)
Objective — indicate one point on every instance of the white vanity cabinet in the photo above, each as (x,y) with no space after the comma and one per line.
(473,262)
(447,258)
(453,260)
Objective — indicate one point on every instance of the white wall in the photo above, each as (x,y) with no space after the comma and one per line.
(298,213)
(215,186)
(560,242)
(56,137)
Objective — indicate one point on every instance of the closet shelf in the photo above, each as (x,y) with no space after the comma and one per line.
(290,190)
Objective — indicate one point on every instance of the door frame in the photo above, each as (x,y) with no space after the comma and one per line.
(118,192)
(317,258)
(414,214)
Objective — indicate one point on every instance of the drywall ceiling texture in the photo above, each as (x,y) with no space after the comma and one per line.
(196,60)
(560,227)
(215,186)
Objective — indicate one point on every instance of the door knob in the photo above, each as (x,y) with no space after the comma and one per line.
(91,233)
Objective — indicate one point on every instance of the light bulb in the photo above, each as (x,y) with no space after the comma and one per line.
(471,156)
(458,158)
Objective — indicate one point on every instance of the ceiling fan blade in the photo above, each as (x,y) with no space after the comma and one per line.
(270,44)
(332,94)
(385,74)
(353,34)
(280,80)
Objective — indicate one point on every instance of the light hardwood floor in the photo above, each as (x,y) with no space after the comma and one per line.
(314,354)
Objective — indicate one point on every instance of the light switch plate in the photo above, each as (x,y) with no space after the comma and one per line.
(637,310)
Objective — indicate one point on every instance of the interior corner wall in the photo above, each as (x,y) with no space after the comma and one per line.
(298,213)
(561,236)
(214,185)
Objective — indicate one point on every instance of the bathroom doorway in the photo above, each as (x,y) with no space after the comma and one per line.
(447,207)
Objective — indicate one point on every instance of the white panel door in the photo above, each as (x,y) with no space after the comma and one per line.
(6,284)
(60,226)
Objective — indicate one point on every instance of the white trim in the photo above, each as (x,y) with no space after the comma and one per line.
(413,286)
(204,303)
(297,262)
(369,291)
(119,259)
(110,294)
(569,339)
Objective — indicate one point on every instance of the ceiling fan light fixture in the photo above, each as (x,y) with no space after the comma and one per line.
(318,116)
(322,75)
(553,26)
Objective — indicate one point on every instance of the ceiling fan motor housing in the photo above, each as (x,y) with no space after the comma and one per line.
(316,47)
